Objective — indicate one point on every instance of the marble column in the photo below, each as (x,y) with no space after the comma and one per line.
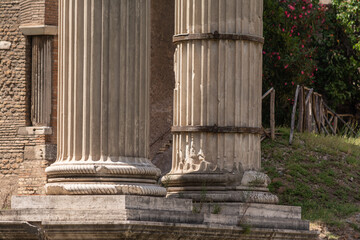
(217,102)
(103,102)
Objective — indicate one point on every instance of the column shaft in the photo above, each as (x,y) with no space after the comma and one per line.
(103,100)
(217,96)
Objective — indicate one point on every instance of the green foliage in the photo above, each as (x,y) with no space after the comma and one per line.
(310,44)
(338,63)
(348,13)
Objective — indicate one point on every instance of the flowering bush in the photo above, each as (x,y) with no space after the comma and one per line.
(302,47)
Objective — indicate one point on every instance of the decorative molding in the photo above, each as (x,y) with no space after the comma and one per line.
(92,169)
(104,189)
(34,130)
(35,30)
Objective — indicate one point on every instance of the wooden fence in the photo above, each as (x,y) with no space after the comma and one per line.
(271,135)
(314,115)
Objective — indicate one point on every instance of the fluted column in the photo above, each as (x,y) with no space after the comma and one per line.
(217,101)
(104,100)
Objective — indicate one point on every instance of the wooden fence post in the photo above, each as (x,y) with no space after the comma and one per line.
(293,115)
(301,110)
(272,114)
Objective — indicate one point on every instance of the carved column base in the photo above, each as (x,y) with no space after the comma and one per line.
(249,186)
(226,196)
(82,178)
(106,188)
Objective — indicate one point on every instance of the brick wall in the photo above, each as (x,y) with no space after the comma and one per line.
(32,12)
(39,12)
(25,171)
(51,12)
(51,139)
(14,92)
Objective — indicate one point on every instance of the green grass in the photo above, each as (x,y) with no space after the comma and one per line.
(320,174)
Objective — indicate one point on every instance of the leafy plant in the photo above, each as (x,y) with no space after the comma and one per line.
(307,43)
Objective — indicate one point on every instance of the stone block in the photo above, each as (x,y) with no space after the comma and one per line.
(59,212)
(100,202)
(5,45)
(34,131)
(37,30)
(40,152)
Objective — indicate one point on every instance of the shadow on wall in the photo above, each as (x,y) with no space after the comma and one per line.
(162,82)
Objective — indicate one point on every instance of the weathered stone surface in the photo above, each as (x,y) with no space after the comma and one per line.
(35,130)
(255,179)
(132,230)
(217,102)
(129,217)
(40,152)
(100,203)
(4,45)
(37,30)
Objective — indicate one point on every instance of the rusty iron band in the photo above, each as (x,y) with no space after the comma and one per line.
(216,129)
(217,36)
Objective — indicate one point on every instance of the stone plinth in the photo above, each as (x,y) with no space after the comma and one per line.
(217,102)
(134,217)
(103,111)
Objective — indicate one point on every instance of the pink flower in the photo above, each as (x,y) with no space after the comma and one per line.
(302,46)
(310,5)
(295,18)
(264,52)
(303,8)
(293,83)
(291,8)
(283,30)
(279,57)
(302,72)
(286,66)
(285,83)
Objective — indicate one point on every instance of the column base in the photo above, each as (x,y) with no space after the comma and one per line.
(104,189)
(249,196)
(104,178)
(237,186)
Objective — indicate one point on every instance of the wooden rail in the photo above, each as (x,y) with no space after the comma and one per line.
(271,91)
(314,115)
